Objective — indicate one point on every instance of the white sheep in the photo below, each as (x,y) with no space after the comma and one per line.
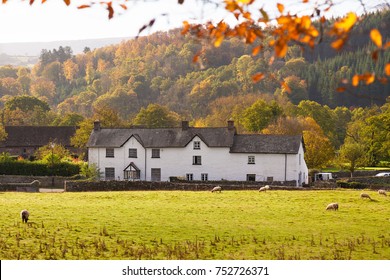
(365,195)
(382,192)
(332,206)
(265,188)
(24,215)
(216,189)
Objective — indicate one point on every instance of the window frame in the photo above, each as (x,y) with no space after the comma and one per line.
(196,145)
(251,160)
(110,153)
(196,160)
(204,176)
(154,152)
(111,169)
(190,177)
(133,150)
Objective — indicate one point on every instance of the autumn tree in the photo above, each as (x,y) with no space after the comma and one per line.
(156,116)
(260,114)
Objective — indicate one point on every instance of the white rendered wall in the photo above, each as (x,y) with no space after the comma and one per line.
(218,163)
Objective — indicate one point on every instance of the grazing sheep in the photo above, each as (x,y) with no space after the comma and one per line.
(382,192)
(365,195)
(216,189)
(24,214)
(265,188)
(332,206)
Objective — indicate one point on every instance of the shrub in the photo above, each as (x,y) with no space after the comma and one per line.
(28,168)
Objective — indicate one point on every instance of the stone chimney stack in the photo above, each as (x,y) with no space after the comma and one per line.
(230,125)
(184,125)
(96,126)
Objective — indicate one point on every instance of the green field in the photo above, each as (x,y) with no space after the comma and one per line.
(195,225)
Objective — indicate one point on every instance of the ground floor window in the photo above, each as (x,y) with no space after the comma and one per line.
(251,177)
(189,176)
(109,173)
(205,177)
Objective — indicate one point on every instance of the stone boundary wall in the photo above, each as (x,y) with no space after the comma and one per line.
(46,181)
(84,186)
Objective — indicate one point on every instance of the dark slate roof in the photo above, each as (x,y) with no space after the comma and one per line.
(37,136)
(265,143)
(212,137)
(161,137)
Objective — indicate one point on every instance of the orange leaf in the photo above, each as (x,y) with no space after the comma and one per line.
(31,2)
(257,77)
(387,69)
(375,55)
(4,1)
(376,37)
(256,50)
(338,44)
(280,7)
(124,7)
(383,81)
(286,87)
(341,89)
(281,48)
(67,2)
(110,10)
(369,79)
(355,80)
(387,45)
(265,15)
(83,6)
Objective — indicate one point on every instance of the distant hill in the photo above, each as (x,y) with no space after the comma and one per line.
(28,52)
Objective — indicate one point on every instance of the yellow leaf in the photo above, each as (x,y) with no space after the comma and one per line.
(218,41)
(387,69)
(280,7)
(376,37)
(244,1)
(346,23)
(355,80)
(257,77)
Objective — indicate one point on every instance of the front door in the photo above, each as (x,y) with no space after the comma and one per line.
(156,174)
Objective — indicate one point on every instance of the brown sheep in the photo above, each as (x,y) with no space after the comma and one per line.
(24,215)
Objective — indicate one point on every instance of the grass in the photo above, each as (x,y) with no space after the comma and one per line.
(195,225)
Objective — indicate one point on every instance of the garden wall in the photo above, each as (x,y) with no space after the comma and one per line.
(82,186)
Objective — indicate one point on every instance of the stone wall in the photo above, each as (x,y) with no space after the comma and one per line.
(82,186)
(46,181)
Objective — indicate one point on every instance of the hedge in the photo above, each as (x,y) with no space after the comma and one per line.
(28,168)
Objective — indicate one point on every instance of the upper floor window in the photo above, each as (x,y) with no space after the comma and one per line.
(155,153)
(300,159)
(132,153)
(251,159)
(109,152)
(196,145)
(196,160)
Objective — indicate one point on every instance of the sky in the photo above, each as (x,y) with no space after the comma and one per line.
(54,21)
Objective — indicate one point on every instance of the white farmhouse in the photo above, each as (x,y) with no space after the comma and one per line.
(196,154)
